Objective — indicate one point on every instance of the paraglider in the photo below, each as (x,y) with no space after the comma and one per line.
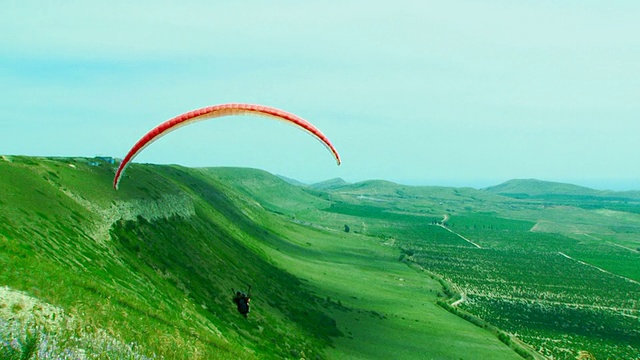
(219,111)
(243,301)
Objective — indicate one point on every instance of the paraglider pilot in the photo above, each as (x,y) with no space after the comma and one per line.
(242,301)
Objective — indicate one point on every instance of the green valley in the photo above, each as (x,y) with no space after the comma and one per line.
(525,269)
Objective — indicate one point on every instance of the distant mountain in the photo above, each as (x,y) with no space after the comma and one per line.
(292,181)
(532,188)
(377,185)
(329,184)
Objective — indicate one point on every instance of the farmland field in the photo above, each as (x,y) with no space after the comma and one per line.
(562,288)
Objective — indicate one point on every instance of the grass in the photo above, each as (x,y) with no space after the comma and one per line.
(517,263)
(153,265)
(106,283)
(382,306)
(29,341)
(621,261)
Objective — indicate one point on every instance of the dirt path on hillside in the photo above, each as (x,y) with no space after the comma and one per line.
(610,243)
(622,246)
(445,218)
(598,268)
(535,227)
(463,298)
(442,225)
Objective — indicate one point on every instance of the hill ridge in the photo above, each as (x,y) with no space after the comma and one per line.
(324,264)
(535,187)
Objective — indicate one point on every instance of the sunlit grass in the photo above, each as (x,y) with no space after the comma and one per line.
(146,272)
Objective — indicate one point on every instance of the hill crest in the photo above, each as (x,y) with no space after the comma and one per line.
(541,188)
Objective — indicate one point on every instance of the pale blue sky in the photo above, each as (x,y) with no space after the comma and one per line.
(418,92)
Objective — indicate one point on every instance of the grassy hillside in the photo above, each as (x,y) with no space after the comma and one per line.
(148,271)
(329,184)
(560,193)
(153,263)
(533,187)
(366,270)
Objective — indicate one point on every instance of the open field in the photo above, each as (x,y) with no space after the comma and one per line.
(568,287)
(384,308)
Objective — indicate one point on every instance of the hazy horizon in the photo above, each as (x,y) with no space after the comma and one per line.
(419,92)
(612,185)
(596,184)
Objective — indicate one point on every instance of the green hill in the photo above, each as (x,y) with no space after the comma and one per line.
(329,184)
(155,262)
(538,188)
(292,181)
(148,271)
(353,271)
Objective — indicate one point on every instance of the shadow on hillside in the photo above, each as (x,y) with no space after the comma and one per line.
(202,258)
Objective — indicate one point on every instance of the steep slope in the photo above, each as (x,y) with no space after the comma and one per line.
(270,192)
(153,263)
(151,267)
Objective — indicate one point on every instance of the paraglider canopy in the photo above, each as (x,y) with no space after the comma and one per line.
(219,111)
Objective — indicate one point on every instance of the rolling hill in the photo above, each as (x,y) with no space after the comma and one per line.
(165,250)
(533,188)
(148,271)
(360,271)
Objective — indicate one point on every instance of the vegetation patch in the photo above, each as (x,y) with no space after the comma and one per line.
(148,271)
